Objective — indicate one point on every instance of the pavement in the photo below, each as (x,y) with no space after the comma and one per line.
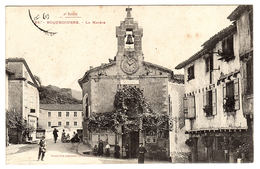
(60,153)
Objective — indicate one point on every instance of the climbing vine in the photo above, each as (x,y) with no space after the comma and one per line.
(132,111)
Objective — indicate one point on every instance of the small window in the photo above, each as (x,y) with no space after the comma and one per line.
(75,123)
(191,73)
(208,103)
(231,96)
(59,114)
(227,49)
(49,124)
(49,114)
(75,114)
(209,63)
(67,123)
(32,110)
(67,114)
(59,123)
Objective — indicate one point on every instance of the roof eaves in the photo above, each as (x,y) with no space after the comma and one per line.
(26,65)
(95,69)
(238,11)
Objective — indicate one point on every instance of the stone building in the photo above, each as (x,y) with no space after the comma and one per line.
(216,121)
(23,95)
(242,16)
(159,85)
(63,116)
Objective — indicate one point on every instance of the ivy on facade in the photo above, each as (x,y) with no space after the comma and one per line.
(131,111)
(15,120)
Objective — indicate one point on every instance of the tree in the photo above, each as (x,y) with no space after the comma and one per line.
(132,111)
(14,120)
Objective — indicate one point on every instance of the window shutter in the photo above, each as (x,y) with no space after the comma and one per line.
(204,101)
(224,94)
(236,94)
(214,101)
(192,107)
(204,98)
(185,105)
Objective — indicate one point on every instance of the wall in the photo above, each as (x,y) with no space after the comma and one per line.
(54,119)
(244,33)
(178,149)
(201,82)
(6,91)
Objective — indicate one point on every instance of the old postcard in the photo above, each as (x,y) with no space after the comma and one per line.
(129,84)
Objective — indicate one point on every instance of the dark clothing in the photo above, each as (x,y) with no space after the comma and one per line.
(55,134)
(127,151)
(107,152)
(117,151)
(41,153)
(142,151)
(42,149)
(75,139)
(100,148)
(95,150)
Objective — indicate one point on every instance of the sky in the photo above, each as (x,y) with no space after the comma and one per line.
(171,34)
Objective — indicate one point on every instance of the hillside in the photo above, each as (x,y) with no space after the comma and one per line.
(55,95)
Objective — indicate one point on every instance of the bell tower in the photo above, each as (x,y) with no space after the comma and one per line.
(129,44)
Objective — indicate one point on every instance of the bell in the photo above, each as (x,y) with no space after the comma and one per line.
(129,40)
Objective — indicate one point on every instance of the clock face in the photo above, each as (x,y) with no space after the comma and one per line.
(129,65)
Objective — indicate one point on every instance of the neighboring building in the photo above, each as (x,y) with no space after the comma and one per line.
(8,73)
(23,95)
(100,84)
(213,99)
(67,116)
(243,18)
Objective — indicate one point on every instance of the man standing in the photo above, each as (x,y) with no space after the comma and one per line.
(55,134)
(100,148)
(142,151)
(117,151)
(42,148)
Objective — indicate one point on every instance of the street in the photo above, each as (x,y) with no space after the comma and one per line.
(59,153)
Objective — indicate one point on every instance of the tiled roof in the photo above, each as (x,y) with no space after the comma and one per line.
(61,107)
(238,11)
(220,35)
(191,59)
(208,44)
(95,69)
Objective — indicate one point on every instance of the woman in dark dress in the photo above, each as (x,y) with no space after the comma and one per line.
(142,151)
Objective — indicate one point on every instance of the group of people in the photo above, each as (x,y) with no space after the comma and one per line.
(43,145)
(66,138)
(99,151)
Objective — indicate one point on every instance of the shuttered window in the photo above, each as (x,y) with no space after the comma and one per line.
(231,96)
(189,107)
(210,102)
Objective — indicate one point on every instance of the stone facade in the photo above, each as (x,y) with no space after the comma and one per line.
(70,116)
(99,86)
(213,99)
(23,95)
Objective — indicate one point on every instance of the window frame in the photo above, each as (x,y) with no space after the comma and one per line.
(67,114)
(191,72)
